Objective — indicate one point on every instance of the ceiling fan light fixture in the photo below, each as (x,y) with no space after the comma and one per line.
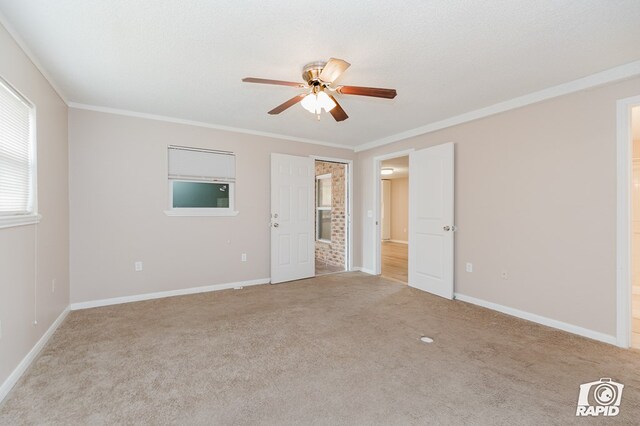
(316,102)
(386,171)
(309,103)
(325,102)
(319,76)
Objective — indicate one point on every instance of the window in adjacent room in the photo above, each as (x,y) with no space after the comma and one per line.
(201,182)
(17,158)
(323,208)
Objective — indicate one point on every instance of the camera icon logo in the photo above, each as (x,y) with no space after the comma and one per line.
(600,398)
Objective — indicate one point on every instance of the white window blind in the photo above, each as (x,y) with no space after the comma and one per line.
(16,153)
(201,164)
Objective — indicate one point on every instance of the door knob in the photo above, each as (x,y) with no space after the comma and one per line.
(447,228)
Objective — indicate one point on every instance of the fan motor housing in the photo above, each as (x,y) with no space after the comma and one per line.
(311,71)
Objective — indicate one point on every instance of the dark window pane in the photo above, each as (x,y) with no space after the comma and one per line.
(324,225)
(200,195)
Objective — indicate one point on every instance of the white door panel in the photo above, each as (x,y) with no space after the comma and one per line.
(292,221)
(431,220)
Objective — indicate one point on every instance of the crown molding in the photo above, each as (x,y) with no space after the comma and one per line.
(20,42)
(167,119)
(598,79)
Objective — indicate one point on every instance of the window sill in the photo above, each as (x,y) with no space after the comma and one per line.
(19,220)
(198,212)
(324,241)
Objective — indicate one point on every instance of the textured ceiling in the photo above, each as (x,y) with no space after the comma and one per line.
(185,59)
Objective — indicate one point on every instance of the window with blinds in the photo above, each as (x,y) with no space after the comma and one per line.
(17,154)
(201,181)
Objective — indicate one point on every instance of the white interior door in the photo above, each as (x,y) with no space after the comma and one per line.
(292,218)
(431,220)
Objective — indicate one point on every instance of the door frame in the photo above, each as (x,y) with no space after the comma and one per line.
(349,197)
(377,213)
(623,229)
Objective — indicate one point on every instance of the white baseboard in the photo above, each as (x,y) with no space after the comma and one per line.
(399,241)
(585,332)
(33,353)
(162,294)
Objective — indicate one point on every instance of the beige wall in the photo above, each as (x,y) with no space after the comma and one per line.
(400,209)
(535,195)
(119,192)
(22,299)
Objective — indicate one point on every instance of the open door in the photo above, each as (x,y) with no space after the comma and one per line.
(292,218)
(431,220)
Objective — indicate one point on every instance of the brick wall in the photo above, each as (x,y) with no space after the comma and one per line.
(334,254)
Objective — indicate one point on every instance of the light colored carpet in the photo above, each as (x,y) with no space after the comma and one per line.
(338,349)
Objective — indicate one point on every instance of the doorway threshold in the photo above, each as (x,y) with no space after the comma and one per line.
(325,269)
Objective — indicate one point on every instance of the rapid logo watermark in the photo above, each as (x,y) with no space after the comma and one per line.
(600,398)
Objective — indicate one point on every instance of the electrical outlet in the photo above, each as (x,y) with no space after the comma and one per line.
(53,285)
(244,257)
(138,266)
(469,267)
(504,274)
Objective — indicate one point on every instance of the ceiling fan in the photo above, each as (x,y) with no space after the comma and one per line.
(319,89)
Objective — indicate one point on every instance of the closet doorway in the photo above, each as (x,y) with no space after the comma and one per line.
(333,217)
(394,208)
(430,228)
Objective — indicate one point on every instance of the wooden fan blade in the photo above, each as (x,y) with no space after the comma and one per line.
(291,102)
(333,69)
(337,112)
(375,92)
(276,82)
